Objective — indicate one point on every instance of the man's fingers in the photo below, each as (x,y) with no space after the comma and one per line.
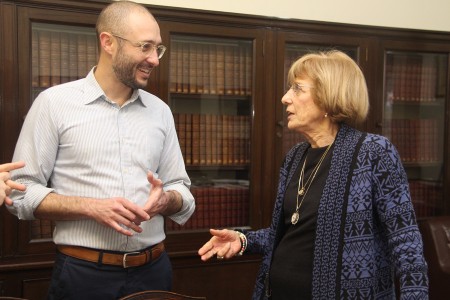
(127,224)
(135,212)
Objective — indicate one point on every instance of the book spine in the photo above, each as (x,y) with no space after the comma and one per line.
(44,59)
(220,69)
(173,67)
(35,59)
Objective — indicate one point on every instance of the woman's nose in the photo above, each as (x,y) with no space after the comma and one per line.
(286,99)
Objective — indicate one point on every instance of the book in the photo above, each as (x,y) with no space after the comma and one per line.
(206,69)
(55,58)
(220,69)
(225,139)
(65,59)
(81,56)
(212,69)
(35,58)
(202,141)
(73,57)
(185,63)
(199,68)
(228,70)
(236,71)
(92,53)
(237,140)
(180,66)
(44,59)
(219,139)
(248,71)
(214,120)
(188,139)
(196,139)
(208,138)
(192,68)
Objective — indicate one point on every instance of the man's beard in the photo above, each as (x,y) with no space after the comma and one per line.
(125,72)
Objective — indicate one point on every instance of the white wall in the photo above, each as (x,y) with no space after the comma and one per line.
(414,14)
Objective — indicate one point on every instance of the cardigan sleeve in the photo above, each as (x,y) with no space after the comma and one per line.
(392,202)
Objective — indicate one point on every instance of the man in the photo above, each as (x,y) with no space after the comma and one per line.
(6,184)
(110,153)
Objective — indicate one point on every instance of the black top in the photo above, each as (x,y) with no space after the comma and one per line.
(292,265)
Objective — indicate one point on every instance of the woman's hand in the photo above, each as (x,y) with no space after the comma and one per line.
(6,184)
(225,243)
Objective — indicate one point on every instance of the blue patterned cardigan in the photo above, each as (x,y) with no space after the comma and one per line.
(366,226)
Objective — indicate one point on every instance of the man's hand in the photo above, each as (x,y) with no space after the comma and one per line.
(115,212)
(118,213)
(159,201)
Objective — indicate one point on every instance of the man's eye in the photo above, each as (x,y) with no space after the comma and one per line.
(147,47)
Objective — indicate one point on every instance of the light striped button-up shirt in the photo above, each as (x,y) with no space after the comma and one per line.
(86,145)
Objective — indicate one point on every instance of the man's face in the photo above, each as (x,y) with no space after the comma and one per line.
(131,67)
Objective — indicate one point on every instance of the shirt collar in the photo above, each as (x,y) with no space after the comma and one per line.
(94,92)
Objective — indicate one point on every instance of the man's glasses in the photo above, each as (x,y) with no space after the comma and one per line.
(147,48)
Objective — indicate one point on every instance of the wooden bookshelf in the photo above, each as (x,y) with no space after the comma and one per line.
(414,114)
(223,77)
(210,92)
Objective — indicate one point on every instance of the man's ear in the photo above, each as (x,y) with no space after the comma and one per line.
(106,42)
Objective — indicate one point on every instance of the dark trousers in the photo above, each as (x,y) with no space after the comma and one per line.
(73,278)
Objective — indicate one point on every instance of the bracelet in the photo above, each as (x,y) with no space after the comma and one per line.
(243,239)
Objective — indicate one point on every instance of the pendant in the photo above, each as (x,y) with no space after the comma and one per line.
(301,192)
(295,217)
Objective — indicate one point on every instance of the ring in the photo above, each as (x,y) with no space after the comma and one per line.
(219,257)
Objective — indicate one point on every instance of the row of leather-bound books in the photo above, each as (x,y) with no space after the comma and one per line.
(210,139)
(210,68)
(42,229)
(217,205)
(195,67)
(412,78)
(61,56)
(417,140)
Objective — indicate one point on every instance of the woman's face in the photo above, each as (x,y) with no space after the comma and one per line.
(303,115)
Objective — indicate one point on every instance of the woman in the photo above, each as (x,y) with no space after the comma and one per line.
(343,222)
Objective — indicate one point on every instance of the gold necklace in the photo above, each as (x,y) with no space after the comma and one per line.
(303,189)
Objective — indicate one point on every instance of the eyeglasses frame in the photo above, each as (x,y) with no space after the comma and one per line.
(161,48)
(298,87)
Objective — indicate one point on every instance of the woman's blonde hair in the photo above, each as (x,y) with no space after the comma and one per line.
(339,86)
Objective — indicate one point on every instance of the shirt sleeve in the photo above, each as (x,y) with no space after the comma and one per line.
(37,146)
(172,172)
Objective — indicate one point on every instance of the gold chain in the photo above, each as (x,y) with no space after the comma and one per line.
(301,190)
